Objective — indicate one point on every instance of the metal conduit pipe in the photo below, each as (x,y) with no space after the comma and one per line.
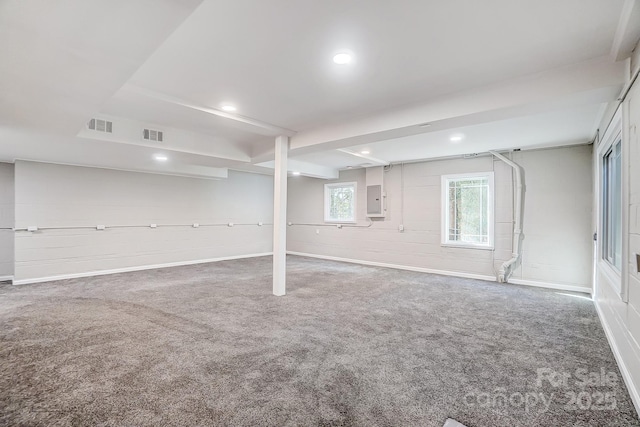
(509,266)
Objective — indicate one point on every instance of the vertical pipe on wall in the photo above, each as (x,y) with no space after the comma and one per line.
(280,216)
(509,266)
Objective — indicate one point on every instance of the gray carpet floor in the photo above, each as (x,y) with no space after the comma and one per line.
(208,345)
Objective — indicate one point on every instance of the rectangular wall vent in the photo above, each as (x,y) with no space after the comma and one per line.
(152,135)
(100,125)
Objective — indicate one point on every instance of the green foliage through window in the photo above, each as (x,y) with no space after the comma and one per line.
(341,202)
(468,210)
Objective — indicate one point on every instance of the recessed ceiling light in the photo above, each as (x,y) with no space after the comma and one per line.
(342,58)
(295,173)
(349,167)
(229,108)
(160,157)
(456,138)
(365,152)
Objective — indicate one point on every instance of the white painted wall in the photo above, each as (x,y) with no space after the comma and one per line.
(620,319)
(6,220)
(49,195)
(557,216)
(557,223)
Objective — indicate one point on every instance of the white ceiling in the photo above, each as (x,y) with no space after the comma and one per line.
(506,74)
(563,127)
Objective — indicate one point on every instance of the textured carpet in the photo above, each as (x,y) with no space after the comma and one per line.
(349,345)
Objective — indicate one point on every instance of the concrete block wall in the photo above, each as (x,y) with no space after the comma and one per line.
(49,195)
(557,222)
(621,318)
(6,220)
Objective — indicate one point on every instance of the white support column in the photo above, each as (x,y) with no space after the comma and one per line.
(280,216)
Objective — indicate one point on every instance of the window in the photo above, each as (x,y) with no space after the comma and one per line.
(612,205)
(467,213)
(340,202)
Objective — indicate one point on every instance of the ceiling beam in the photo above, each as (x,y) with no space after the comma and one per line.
(306,169)
(595,81)
(628,31)
(374,160)
(258,126)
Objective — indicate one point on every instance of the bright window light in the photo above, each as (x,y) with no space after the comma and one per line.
(340,202)
(467,210)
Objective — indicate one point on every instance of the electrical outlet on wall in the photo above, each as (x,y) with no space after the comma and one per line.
(401,228)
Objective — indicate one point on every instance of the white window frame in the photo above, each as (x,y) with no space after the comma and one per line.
(445,211)
(327,202)
(614,277)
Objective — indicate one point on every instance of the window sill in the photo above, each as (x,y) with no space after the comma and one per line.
(467,246)
(612,276)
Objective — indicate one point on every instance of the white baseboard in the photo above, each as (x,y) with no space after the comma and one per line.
(396,266)
(626,376)
(561,287)
(556,286)
(136,268)
(6,278)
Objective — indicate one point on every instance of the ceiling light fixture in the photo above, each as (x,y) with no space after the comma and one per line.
(456,138)
(425,125)
(365,152)
(160,157)
(342,58)
(229,108)
(295,173)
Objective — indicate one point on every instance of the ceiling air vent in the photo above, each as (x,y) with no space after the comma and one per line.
(152,135)
(100,125)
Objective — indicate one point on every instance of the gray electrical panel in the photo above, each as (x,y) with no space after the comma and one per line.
(374,200)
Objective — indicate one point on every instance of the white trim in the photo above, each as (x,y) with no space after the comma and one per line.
(560,287)
(136,268)
(396,266)
(556,286)
(626,376)
(614,278)
(444,220)
(6,278)
(611,136)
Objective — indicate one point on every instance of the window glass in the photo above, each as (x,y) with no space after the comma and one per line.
(468,210)
(612,206)
(340,202)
